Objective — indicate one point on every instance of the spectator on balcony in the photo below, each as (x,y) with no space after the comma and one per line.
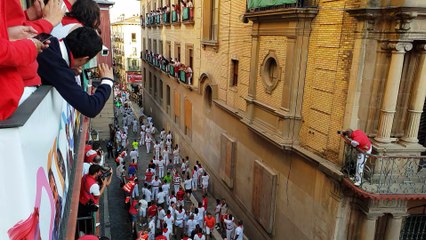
(17,51)
(188,74)
(359,140)
(42,18)
(83,13)
(190,4)
(59,63)
(92,187)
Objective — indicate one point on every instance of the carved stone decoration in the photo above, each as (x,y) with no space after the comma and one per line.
(403,21)
(397,46)
(270,71)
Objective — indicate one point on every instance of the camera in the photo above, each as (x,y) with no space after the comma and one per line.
(104,51)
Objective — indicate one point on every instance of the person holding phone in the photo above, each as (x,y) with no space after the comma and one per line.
(58,64)
(38,19)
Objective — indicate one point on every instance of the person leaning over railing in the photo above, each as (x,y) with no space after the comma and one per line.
(358,139)
(58,64)
(42,18)
(16,50)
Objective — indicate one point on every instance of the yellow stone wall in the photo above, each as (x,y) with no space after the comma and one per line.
(278,44)
(327,76)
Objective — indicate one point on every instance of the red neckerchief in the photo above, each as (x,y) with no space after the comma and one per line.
(168,215)
(199,235)
(68,5)
(69,20)
(165,230)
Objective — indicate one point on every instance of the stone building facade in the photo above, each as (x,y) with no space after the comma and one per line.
(270,88)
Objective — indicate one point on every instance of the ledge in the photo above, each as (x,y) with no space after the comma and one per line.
(25,110)
(324,165)
(210,43)
(282,13)
(233,111)
(188,22)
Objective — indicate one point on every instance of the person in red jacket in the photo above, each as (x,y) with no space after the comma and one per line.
(20,52)
(91,191)
(133,211)
(42,18)
(359,140)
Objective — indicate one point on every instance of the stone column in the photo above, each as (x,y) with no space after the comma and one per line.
(390,97)
(368,230)
(253,72)
(418,94)
(393,228)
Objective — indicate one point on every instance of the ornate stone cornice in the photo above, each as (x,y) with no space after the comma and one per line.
(397,47)
(403,20)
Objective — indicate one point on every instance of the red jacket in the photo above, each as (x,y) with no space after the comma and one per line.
(12,55)
(362,139)
(16,17)
(85,194)
(132,209)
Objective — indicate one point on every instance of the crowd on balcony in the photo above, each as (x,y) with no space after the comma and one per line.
(173,67)
(33,53)
(158,196)
(167,13)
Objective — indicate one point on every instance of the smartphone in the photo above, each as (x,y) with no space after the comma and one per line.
(43,37)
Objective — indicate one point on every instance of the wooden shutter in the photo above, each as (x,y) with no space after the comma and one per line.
(263,197)
(188,113)
(177,104)
(228,160)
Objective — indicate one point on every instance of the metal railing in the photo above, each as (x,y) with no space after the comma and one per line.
(257,5)
(86,225)
(387,174)
(187,14)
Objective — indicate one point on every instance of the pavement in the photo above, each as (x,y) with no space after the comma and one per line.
(115,218)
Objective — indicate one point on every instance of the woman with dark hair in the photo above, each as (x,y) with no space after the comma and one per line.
(83,13)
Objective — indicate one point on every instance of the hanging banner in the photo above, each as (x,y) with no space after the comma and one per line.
(38,159)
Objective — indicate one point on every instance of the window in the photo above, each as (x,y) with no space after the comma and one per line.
(169,49)
(188,117)
(150,82)
(210,21)
(263,195)
(227,155)
(168,98)
(208,97)
(160,51)
(155,88)
(149,44)
(155,46)
(133,37)
(270,72)
(161,90)
(177,107)
(177,51)
(191,58)
(144,44)
(144,78)
(235,64)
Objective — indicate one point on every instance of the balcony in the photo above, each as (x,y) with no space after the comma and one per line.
(44,139)
(188,15)
(261,5)
(166,18)
(387,176)
(182,73)
(175,18)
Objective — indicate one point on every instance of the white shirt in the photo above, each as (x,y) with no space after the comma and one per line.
(187,184)
(239,232)
(205,180)
(196,237)
(169,221)
(156,183)
(147,193)
(161,197)
(134,155)
(161,214)
(143,204)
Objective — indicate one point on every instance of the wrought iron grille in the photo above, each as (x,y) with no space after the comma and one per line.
(388,174)
(414,228)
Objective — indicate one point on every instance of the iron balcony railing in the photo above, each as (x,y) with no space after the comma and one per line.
(387,174)
(262,5)
(187,14)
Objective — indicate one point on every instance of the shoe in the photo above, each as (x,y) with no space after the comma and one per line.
(98,224)
(357,183)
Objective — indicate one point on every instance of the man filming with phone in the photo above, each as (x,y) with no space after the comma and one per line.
(59,64)
(93,185)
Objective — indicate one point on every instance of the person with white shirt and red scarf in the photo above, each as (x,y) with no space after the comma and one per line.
(358,139)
